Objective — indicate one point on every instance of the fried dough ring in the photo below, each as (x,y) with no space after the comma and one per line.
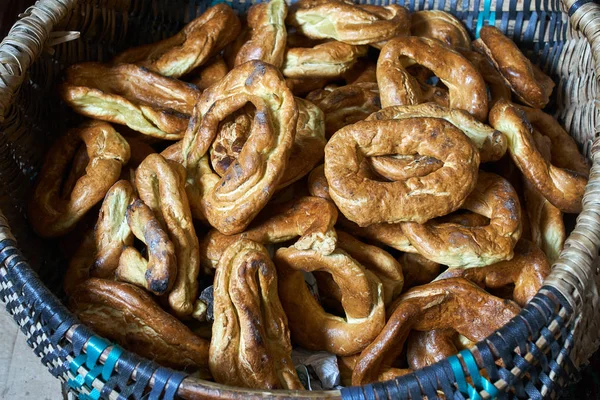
(250,345)
(313,328)
(209,74)
(251,180)
(52,213)
(563,188)
(448,304)
(161,187)
(527,81)
(266,35)
(311,218)
(112,231)
(491,143)
(526,270)
(126,94)
(307,150)
(466,87)
(346,105)
(157,273)
(367,201)
(199,40)
(327,60)
(348,23)
(458,246)
(129,316)
(440,25)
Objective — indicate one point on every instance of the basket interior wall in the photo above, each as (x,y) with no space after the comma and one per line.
(37,116)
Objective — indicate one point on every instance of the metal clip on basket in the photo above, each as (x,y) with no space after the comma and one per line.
(541,349)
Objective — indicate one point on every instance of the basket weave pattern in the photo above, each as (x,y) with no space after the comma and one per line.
(540,349)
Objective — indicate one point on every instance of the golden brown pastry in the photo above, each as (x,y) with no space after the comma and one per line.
(386,234)
(199,40)
(347,22)
(252,178)
(494,80)
(160,185)
(346,105)
(526,271)
(466,87)
(209,74)
(418,198)
(491,143)
(363,71)
(440,25)
(112,231)
(129,316)
(266,36)
(126,94)
(53,212)
(327,60)
(78,270)
(448,304)
(303,86)
(250,345)
(317,183)
(562,187)
(417,269)
(473,246)
(312,327)
(527,81)
(311,218)
(157,273)
(424,348)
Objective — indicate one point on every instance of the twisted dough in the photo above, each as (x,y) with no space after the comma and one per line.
(491,143)
(157,273)
(52,212)
(527,81)
(466,87)
(348,23)
(563,188)
(447,304)
(367,201)
(327,60)
(526,271)
(250,345)
(129,316)
(160,185)
(473,246)
(250,181)
(199,40)
(313,328)
(440,25)
(311,218)
(266,35)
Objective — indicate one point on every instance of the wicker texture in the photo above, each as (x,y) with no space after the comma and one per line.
(540,349)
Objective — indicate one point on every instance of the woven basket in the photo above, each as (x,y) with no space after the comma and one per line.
(541,349)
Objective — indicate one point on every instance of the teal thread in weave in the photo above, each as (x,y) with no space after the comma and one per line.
(111,361)
(459,375)
(95,347)
(479,381)
(485,15)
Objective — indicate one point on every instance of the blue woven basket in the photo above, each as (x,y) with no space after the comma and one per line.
(541,349)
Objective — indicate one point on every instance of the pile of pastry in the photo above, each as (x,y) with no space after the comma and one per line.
(405,170)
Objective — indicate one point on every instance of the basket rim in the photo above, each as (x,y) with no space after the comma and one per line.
(40,20)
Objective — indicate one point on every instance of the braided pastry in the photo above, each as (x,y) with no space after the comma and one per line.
(447,304)
(311,218)
(157,274)
(466,87)
(527,81)
(418,198)
(327,60)
(251,179)
(199,40)
(250,345)
(129,316)
(562,187)
(266,35)
(126,94)
(473,246)
(53,212)
(160,185)
(440,25)
(348,23)
(526,271)
(312,327)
